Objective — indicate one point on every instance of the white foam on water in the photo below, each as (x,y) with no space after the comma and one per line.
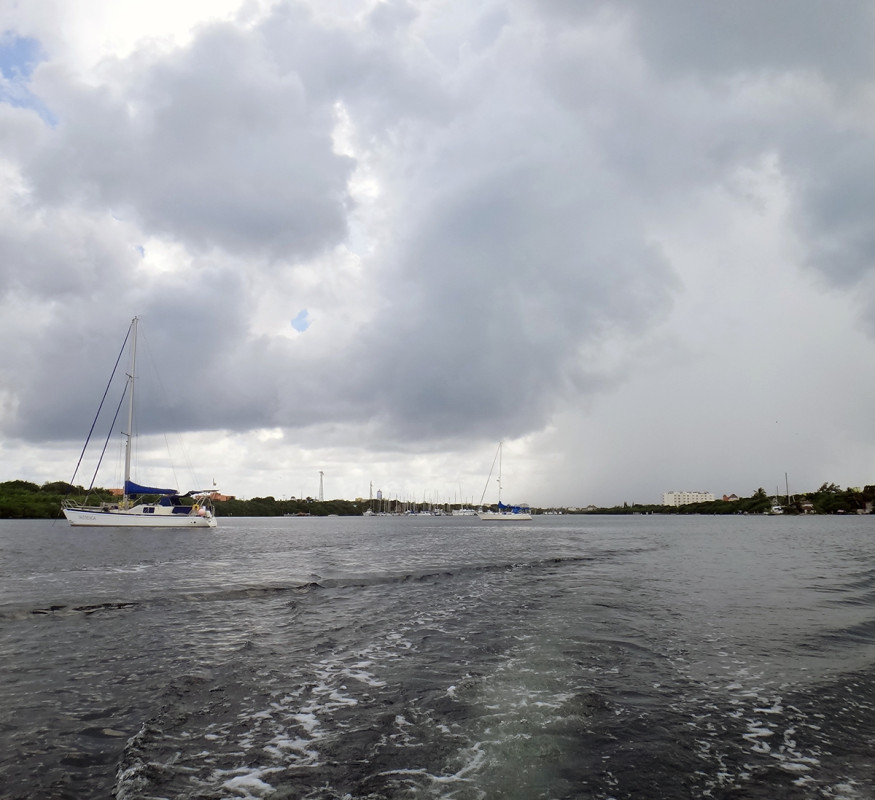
(362,676)
(342,699)
(847,790)
(304,754)
(247,784)
(775,708)
(741,700)
(472,759)
(289,730)
(309,722)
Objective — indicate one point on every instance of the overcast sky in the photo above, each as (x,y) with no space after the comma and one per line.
(633,240)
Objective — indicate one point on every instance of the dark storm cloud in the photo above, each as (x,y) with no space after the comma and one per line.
(814,65)
(718,40)
(508,279)
(524,157)
(837,203)
(188,333)
(722,39)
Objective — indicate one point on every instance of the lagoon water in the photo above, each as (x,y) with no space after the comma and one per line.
(567,657)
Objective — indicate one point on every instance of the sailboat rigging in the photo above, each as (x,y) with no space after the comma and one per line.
(504,512)
(135,508)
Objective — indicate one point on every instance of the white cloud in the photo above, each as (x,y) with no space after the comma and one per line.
(634,245)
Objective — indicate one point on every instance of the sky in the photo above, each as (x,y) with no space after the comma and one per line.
(632,241)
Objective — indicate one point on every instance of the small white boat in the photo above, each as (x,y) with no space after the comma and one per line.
(506,513)
(169,510)
(512,513)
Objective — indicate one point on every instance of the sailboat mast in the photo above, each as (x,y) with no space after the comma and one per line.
(130,432)
(499,473)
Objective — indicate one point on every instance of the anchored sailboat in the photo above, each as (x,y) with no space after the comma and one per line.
(170,509)
(504,512)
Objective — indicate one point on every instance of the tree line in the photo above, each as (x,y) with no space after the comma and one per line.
(828,499)
(25,500)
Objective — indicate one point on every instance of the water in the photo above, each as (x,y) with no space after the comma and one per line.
(567,657)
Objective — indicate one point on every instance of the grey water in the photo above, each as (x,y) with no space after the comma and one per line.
(440,657)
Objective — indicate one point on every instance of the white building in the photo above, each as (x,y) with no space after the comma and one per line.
(682,498)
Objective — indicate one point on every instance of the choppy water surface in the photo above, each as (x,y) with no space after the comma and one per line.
(567,657)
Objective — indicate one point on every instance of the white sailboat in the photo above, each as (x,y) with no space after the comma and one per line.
(132,511)
(506,513)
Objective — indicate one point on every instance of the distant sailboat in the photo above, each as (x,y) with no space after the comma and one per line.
(506,513)
(463,510)
(131,511)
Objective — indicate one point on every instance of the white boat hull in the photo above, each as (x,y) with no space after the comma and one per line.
(116,518)
(493,515)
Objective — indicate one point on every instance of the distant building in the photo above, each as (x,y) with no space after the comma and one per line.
(731,498)
(683,498)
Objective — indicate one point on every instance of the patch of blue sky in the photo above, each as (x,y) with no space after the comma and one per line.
(301,323)
(18,58)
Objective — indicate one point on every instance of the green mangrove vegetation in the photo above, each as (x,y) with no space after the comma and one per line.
(25,500)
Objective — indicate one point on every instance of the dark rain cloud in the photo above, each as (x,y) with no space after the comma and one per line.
(525,155)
